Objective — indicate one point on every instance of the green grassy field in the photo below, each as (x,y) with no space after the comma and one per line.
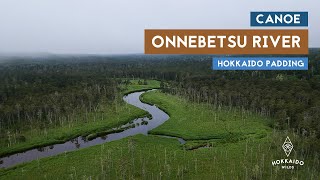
(245,152)
(142,157)
(108,116)
(200,121)
(152,157)
(135,86)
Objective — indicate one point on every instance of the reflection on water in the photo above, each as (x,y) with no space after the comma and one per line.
(141,126)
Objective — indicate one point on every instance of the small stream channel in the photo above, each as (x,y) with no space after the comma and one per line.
(141,127)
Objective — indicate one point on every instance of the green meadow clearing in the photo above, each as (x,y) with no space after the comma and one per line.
(137,85)
(200,121)
(221,144)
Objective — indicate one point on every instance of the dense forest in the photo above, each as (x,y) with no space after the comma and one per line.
(49,91)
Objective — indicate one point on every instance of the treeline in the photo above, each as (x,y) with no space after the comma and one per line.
(38,97)
(166,67)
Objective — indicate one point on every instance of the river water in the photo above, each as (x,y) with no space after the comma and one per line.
(158,118)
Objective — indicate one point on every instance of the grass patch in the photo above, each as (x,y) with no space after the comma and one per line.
(193,121)
(152,157)
(135,86)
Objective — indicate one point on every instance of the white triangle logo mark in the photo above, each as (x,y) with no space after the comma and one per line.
(287,146)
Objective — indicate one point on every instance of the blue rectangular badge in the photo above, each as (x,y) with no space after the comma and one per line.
(279,18)
(260,63)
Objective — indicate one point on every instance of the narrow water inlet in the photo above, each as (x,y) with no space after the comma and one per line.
(158,118)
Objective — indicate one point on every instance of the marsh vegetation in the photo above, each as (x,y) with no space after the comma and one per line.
(234,122)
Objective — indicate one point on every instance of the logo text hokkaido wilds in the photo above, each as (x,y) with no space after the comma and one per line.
(287,163)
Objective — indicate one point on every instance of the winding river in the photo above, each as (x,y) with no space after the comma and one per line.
(141,127)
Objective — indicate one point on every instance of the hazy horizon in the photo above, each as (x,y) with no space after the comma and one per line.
(117,27)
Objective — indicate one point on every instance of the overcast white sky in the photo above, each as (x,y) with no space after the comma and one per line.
(117,26)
